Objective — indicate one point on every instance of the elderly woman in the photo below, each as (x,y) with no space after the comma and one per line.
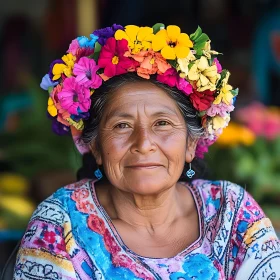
(145,103)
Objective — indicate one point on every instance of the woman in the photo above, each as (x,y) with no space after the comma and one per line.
(140,219)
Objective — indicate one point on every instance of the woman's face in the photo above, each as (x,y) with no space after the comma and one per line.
(143,140)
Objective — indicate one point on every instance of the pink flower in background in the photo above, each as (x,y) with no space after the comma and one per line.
(74,46)
(184,86)
(221,109)
(85,70)
(74,96)
(202,147)
(263,121)
(218,65)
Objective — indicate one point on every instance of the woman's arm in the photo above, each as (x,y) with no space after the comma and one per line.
(43,252)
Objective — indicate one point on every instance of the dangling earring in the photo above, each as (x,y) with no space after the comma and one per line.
(190,173)
(98,174)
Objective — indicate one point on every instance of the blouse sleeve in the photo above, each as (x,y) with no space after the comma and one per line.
(43,251)
(260,245)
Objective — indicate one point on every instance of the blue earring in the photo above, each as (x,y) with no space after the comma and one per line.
(98,174)
(190,173)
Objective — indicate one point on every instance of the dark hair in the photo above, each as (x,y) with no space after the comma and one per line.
(99,100)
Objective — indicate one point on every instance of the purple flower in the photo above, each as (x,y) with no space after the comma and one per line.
(74,96)
(85,70)
(52,65)
(47,82)
(58,127)
(105,33)
(218,65)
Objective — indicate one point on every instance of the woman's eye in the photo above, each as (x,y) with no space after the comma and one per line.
(162,123)
(122,125)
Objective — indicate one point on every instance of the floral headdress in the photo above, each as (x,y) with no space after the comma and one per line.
(178,60)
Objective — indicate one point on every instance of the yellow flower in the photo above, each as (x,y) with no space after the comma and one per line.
(78,125)
(172,43)
(51,108)
(139,38)
(13,183)
(225,94)
(236,134)
(183,64)
(220,122)
(204,75)
(66,68)
(207,50)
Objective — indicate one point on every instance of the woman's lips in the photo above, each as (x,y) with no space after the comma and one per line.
(144,166)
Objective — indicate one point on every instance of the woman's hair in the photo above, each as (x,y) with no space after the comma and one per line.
(98,102)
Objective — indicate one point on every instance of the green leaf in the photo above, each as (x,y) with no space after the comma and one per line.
(95,56)
(50,89)
(202,38)
(173,63)
(196,34)
(234,92)
(97,47)
(157,27)
(190,65)
(201,114)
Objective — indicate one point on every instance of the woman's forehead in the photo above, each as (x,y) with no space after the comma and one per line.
(134,97)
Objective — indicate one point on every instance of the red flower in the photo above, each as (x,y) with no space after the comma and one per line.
(112,58)
(202,100)
(96,224)
(80,194)
(85,206)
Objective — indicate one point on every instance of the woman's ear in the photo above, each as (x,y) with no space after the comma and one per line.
(190,151)
(96,152)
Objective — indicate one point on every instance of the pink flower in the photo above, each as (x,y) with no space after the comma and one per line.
(202,147)
(80,194)
(169,77)
(221,109)
(184,86)
(74,97)
(218,65)
(112,58)
(85,70)
(74,46)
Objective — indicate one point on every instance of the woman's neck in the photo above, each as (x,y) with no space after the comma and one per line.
(150,212)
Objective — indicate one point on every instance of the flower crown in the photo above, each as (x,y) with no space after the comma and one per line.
(178,60)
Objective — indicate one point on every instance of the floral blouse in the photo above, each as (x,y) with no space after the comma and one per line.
(70,236)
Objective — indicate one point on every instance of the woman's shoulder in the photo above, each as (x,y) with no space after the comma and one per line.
(227,198)
(56,206)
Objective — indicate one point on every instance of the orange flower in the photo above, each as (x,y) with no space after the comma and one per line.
(150,63)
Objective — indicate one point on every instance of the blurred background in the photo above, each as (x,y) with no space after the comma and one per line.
(34,162)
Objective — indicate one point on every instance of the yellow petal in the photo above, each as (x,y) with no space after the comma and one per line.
(173,32)
(163,34)
(218,122)
(51,108)
(218,99)
(132,31)
(120,34)
(210,71)
(144,33)
(202,63)
(168,52)
(181,52)
(158,43)
(193,73)
(203,80)
(183,65)
(184,40)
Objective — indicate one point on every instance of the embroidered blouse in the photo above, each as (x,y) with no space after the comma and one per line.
(70,236)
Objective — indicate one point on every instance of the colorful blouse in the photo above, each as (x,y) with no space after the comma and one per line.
(70,236)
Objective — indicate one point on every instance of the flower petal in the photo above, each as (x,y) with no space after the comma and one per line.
(132,31)
(168,52)
(173,32)
(145,34)
(202,63)
(181,52)
(158,43)
(184,40)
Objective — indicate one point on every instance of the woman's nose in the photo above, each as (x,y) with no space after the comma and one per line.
(143,141)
